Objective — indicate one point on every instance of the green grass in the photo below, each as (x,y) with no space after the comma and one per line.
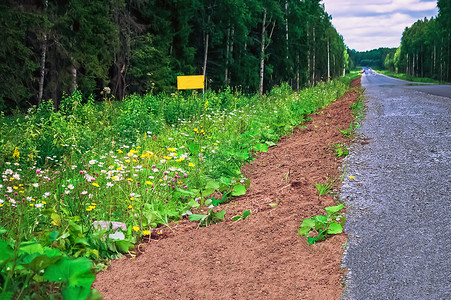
(146,161)
(353,74)
(404,76)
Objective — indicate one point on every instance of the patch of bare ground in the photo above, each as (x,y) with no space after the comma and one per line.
(261,257)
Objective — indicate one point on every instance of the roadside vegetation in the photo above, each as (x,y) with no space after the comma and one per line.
(87,182)
(404,76)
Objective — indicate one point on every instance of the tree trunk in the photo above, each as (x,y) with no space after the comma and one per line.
(229,54)
(42,71)
(435,56)
(43,54)
(73,86)
(308,56)
(207,37)
(226,73)
(286,25)
(407,64)
(314,57)
(328,60)
(297,74)
(262,53)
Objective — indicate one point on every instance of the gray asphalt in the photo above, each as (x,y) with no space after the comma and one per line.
(399,212)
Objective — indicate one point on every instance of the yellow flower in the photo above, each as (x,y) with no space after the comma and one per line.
(149,182)
(146,232)
(171,149)
(135,228)
(15,187)
(130,206)
(190,165)
(167,157)
(196,130)
(16,154)
(114,177)
(119,151)
(129,179)
(31,204)
(95,184)
(351,177)
(131,199)
(120,168)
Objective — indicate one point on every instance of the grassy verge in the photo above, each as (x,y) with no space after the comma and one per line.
(353,74)
(404,76)
(130,166)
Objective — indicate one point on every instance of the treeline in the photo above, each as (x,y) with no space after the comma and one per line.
(425,49)
(51,47)
(373,58)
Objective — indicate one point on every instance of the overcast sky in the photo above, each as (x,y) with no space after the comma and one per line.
(370,24)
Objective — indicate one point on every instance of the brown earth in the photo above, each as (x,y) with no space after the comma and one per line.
(262,256)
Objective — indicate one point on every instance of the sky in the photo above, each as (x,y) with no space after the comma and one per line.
(370,24)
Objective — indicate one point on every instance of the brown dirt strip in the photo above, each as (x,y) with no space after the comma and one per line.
(262,256)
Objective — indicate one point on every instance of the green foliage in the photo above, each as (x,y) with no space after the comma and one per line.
(28,268)
(318,228)
(245,214)
(350,130)
(135,163)
(208,219)
(340,150)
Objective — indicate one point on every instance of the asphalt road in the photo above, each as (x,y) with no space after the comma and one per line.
(399,212)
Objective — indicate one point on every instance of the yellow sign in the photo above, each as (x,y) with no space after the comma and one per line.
(190,82)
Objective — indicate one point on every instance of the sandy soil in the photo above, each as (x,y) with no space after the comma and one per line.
(262,256)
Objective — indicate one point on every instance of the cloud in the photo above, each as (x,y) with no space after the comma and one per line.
(367,25)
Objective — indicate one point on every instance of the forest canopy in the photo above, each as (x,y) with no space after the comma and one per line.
(52,47)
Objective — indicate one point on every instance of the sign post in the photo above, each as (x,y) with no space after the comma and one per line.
(192,82)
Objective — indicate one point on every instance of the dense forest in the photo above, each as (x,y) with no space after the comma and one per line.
(373,58)
(52,47)
(425,49)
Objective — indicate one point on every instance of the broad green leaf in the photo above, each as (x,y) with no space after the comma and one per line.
(246,214)
(236,218)
(320,219)
(270,144)
(94,295)
(3,230)
(308,223)
(124,246)
(242,155)
(303,230)
(239,190)
(5,252)
(76,292)
(53,235)
(30,247)
(333,209)
(226,181)
(221,214)
(76,272)
(335,228)
(196,217)
(272,204)
(42,262)
(261,147)
(211,184)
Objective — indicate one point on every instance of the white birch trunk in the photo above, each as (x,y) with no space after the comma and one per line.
(314,57)
(43,54)
(262,53)
(328,60)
